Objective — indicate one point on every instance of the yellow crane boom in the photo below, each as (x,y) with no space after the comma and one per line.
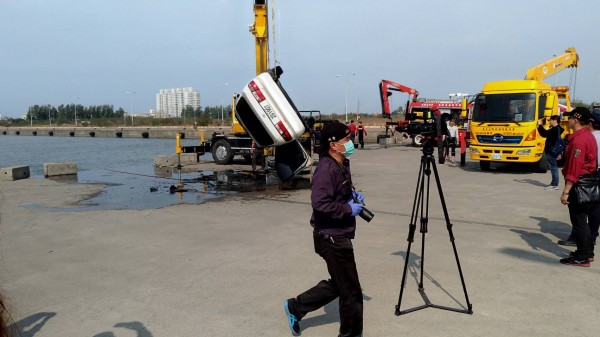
(551,67)
(260,31)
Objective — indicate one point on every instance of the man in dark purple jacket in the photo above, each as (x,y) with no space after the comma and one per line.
(334,223)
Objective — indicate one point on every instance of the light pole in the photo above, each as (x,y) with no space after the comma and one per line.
(595,91)
(346,95)
(131,107)
(221,86)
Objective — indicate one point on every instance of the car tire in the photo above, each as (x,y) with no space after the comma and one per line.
(221,152)
(417,140)
(542,165)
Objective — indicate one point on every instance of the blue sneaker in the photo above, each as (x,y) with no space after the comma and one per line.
(293,322)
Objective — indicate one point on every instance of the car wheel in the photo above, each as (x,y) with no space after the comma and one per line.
(417,140)
(221,152)
(542,165)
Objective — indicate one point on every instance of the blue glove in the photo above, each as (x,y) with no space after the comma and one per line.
(356,207)
(359,196)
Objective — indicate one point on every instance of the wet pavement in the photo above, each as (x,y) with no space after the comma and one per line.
(142,187)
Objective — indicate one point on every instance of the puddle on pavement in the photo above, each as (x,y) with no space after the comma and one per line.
(140,188)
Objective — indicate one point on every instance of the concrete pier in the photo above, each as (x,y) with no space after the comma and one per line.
(374,134)
(121,132)
(224,267)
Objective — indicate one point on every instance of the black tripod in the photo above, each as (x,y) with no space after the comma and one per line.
(421,210)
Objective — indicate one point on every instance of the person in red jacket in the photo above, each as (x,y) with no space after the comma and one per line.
(581,160)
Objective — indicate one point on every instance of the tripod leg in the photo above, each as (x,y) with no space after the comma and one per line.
(451,235)
(424,219)
(418,201)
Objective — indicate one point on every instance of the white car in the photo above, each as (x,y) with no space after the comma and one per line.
(267,112)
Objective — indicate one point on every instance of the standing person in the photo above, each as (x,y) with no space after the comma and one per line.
(334,225)
(594,216)
(552,135)
(352,128)
(452,141)
(361,132)
(580,162)
(594,213)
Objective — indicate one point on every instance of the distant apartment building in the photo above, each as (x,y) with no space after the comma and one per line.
(170,102)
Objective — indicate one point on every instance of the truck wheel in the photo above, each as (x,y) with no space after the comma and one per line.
(417,140)
(542,165)
(485,165)
(221,152)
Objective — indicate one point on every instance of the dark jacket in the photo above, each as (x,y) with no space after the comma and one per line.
(551,135)
(330,192)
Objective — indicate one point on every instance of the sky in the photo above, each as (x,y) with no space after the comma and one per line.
(334,53)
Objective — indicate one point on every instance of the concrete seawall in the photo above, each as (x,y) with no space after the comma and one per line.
(164,132)
(109,132)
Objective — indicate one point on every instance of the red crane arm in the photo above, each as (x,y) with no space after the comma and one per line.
(385,87)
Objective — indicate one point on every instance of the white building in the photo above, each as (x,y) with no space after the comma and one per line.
(170,102)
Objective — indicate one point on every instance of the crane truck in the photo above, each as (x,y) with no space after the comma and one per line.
(453,109)
(505,114)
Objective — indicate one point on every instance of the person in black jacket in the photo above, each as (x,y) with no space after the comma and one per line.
(335,205)
(552,135)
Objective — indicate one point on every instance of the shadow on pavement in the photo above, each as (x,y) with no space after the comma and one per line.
(414,268)
(29,326)
(138,327)
(538,242)
(531,181)
(559,229)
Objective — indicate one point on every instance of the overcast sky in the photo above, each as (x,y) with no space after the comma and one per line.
(93,52)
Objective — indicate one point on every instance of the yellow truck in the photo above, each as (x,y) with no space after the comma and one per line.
(505,114)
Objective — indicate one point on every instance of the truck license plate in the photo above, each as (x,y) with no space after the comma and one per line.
(496,156)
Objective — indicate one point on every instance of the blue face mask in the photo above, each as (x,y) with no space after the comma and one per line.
(349,149)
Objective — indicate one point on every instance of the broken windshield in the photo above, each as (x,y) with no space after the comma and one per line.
(504,108)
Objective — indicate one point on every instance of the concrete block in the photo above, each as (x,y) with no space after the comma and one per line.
(12,173)
(164,161)
(172,161)
(187,158)
(60,169)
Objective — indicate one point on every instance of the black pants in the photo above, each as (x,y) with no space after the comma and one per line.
(361,140)
(581,229)
(338,253)
(450,144)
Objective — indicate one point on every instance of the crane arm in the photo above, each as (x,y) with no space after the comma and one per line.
(260,31)
(551,67)
(385,87)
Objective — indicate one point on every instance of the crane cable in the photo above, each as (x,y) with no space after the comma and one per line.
(273,30)
(573,82)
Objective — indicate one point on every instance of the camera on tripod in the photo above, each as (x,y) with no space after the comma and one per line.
(428,124)
(431,125)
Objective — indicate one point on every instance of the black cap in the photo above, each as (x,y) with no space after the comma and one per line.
(332,132)
(581,113)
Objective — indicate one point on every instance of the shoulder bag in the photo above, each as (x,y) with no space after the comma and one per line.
(587,190)
(558,147)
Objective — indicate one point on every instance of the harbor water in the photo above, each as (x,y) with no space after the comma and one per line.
(123,165)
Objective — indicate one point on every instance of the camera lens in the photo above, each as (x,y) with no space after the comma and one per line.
(366,215)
